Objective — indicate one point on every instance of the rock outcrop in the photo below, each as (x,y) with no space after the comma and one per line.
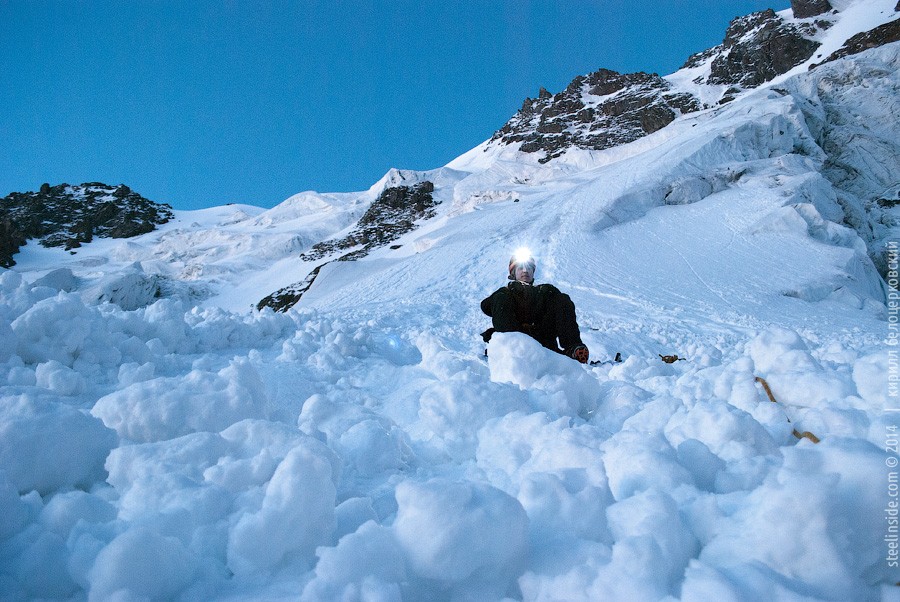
(809,8)
(879,36)
(393,214)
(68,216)
(605,108)
(756,49)
(596,111)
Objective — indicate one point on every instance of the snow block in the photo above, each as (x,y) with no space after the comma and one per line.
(131,290)
(141,564)
(65,447)
(61,279)
(365,565)
(638,461)
(7,340)
(296,515)
(809,528)
(517,358)
(14,514)
(729,433)
(870,374)
(59,379)
(795,377)
(649,526)
(165,408)
(469,538)
(62,328)
(452,411)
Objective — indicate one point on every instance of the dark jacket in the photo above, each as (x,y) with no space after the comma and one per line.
(541,311)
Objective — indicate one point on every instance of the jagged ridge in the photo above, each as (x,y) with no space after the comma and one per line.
(597,111)
(606,108)
(758,47)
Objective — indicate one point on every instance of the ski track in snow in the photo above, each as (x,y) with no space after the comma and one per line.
(360,447)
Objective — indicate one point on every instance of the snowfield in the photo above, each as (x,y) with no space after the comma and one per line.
(361,447)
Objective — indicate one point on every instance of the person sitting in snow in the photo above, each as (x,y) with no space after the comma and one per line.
(541,311)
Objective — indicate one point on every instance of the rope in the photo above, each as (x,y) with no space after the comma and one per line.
(797,434)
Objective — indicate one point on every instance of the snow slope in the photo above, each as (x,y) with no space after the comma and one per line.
(359,446)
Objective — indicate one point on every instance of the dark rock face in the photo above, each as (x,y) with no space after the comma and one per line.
(11,240)
(809,8)
(67,216)
(757,48)
(285,298)
(393,214)
(597,111)
(881,35)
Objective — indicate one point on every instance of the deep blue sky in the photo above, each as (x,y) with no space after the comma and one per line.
(199,103)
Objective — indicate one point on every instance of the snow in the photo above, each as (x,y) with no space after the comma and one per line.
(851,17)
(856,16)
(362,447)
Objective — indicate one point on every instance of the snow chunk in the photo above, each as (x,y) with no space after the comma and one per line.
(365,565)
(64,510)
(62,328)
(467,537)
(729,433)
(870,373)
(637,462)
(61,279)
(810,534)
(141,564)
(64,446)
(653,546)
(451,412)
(130,290)
(554,469)
(14,514)
(649,524)
(795,377)
(297,514)
(59,378)
(165,408)
(519,359)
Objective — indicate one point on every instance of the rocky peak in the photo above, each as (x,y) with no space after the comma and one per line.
(595,111)
(605,108)
(67,216)
(809,8)
(757,48)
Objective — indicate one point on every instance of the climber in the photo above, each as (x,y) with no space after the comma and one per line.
(541,311)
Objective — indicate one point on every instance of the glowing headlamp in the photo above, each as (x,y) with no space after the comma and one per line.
(522,255)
